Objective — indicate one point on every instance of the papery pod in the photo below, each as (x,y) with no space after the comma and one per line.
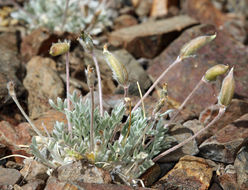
(190,48)
(90,76)
(59,48)
(212,73)
(227,90)
(119,71)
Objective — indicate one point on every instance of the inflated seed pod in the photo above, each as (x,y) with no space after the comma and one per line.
(227,90)
(59,48)
(190,48)
(212,73)
(119,71)
(90,73)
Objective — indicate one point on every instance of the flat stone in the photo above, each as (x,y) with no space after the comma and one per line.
(241,166)
(82,171)
(181,133)
(33,170)
(183,77)
(222,146)
(191,173)
(139,39)
(235,110)
(9,176)
(42,83)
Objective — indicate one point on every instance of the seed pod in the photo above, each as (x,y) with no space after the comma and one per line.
(119,71)
(11,88)
(90,76)
(191,47)
(86,41)
(212,73)
(227,90)
(59,48)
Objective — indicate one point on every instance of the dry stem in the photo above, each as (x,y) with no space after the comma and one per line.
(99,83)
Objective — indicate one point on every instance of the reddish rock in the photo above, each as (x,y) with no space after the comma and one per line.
(184,77)
(223,145)
(191,173)
(139,39)
(42,83)
(38,42)
(227,177)
(205,12)
(33,170)
(124,21)
(235,110)
(82,171)
(49,118)
(54,183)
(151,175)
(241,166)
(13,136)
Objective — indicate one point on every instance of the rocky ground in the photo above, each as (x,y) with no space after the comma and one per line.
(146,37)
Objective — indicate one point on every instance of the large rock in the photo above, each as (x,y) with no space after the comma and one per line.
(42,83)
(235,110)
(9,176)
(12,136)
(191,173)
(184,77)
(223,145)
(10,66)
(33,170)
(82,171)
(149,39)
(54,183)
(241,165)
(181,133)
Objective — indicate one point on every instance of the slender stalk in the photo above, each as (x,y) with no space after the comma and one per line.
(99,83)
(141,96)
(68,90)
(220,114)
(65,15)
(92,120)
(186,100)
(125,91)
(12,93)
(157,81)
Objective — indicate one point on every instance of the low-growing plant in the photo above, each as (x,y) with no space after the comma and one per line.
(126,148)
(66,15)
